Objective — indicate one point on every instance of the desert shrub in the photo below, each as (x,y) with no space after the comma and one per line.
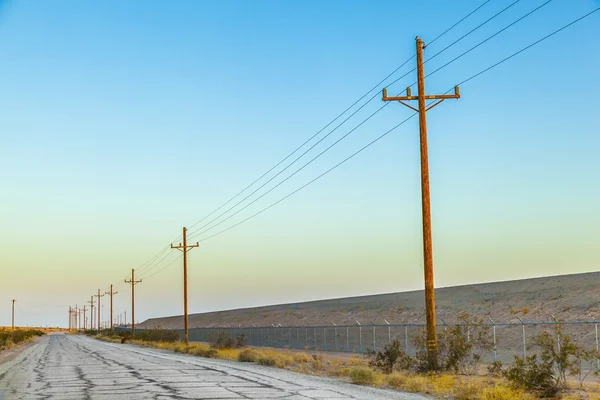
(459,347)
(17,336)
(442,383)
(363,376)
(391,357)
(204,352)
(533,374)
(504,393)
(157,335)
(268,361)
(396,380)
(495,369)
(467,391)
(302,358)
(248,355)
(222,340)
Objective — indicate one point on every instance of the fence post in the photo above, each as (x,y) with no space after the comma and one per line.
(336,339)
(596,328)
(406,338)
(374,343)
(347,346)
(305,337)
(315,336)
(325,338)
(494,329)
(524,342)
(360,339)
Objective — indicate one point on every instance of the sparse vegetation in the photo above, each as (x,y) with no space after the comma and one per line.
(363,376)
(9,338)
(222,340)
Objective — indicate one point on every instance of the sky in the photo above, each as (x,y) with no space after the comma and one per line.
(123,121)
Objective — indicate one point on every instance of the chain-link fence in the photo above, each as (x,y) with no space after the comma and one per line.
(510,339)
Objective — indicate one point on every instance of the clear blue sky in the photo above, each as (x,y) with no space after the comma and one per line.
(122,121)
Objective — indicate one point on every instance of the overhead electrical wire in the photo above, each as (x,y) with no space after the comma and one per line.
(154,261)
(401,123)
(206,227)
(486,40)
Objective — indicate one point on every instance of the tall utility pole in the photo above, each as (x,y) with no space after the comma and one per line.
(84,318)
(13,314)
(425,202)
(98,307)
(69,318)
(132,282)
(184,249)
(91,312)
(111,304)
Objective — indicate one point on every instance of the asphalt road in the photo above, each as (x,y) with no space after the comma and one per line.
(77,367)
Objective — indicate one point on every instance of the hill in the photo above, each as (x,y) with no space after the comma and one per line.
(568,297)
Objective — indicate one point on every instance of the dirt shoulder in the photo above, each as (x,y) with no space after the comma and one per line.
(11,353)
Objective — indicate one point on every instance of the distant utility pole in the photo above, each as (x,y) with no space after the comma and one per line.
(132,282)
(84,318)
(184,249)
(98,307)
(69,317)
(13,314)
(111,293)
(91,312)
(425,202)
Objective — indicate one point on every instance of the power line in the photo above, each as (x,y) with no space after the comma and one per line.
(165,267)
(487,39)
(530,46)
(401,123)
(291,175)
(311,181)
(471,31)
(329,124)
(206,227)
(309,139)
(150,264)
(456,24)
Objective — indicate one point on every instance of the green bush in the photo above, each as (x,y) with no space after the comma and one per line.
(248,355)
(362,376)
(391,357)
(534,375)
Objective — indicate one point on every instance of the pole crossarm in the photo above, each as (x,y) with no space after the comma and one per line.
(409,97)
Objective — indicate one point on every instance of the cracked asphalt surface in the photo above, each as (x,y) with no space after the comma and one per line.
(77,367)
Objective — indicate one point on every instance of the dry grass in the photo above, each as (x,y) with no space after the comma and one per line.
(356,370)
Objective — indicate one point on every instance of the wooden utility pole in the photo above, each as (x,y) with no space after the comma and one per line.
(98,307)
(184,249)
(111,293)
(13,315)
(91,302)
(69,318)
(84,318)
(132,282)
(425,201)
